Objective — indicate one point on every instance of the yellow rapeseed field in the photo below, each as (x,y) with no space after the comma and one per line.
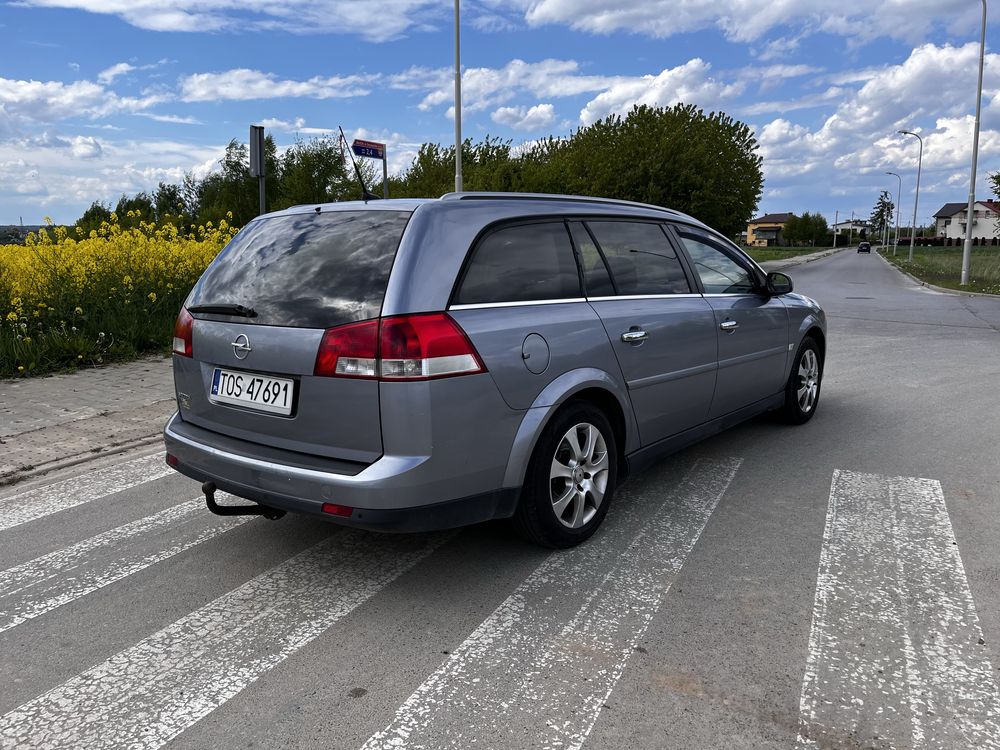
(68,300)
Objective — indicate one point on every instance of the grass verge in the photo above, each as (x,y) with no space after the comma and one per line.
(942,266)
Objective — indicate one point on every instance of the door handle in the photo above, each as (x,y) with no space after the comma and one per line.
(634,337)
(729,325)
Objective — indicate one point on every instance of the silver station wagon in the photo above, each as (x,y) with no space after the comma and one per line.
(407,365)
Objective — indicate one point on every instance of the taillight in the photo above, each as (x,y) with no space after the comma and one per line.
(183,333)
(405,347)
(349,351)
(419,347)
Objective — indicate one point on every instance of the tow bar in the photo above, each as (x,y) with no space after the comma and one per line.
(209,488)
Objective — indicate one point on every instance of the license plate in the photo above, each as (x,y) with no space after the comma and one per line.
(260,392)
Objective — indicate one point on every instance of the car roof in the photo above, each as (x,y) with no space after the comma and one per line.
(539,203)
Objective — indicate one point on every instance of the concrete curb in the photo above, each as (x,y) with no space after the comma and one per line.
(16,476)
(798,260)
(941,289)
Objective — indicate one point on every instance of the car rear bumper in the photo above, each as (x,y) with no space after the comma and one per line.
(395,493)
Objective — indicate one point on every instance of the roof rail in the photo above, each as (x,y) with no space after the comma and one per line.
(556,197)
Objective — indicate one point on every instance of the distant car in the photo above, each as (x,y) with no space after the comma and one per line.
(864,247)
(417,364)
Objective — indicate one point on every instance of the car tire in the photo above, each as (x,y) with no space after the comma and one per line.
(571,478)
(804,382)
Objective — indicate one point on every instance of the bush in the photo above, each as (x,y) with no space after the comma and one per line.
(68,302)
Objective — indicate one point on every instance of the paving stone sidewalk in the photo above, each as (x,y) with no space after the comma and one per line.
(50,421)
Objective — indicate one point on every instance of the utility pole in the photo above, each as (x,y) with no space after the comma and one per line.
(458,103)
(852,229)
(916,197)
(836,218)
(899,197)
(969,219)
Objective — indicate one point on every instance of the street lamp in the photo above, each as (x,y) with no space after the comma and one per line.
(458,106)
(916,197)
(885,225)
(899,197)
(970,214)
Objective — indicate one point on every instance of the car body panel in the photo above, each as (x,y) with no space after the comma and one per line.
(670,376)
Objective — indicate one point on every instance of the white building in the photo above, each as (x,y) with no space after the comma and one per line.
(950,221)
(851,225)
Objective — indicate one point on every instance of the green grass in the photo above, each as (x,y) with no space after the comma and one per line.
(942,266)
(762,254)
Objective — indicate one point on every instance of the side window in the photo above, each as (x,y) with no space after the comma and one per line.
(719,273)
(640,258)
(519,264)
(596,280)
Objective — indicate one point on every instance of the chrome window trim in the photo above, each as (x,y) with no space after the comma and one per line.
(734,294)
(645,296)
(523,303)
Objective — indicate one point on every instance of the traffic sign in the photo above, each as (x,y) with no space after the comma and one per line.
(370,149)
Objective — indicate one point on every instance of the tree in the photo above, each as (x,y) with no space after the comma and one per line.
(168,204)
(882,213)
(93,217)
(132,210)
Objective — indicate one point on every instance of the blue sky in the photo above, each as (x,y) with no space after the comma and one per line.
(101,97)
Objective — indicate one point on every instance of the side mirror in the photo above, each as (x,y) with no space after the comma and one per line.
(778,283)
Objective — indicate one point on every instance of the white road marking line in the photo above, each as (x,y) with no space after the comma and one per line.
(539,670)
(149,693)
(896,649)
(50,581)
(43,501)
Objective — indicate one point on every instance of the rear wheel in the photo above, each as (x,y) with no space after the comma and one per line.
(570,480)
(802,389)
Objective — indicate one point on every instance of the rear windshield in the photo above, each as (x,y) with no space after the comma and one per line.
(306,270)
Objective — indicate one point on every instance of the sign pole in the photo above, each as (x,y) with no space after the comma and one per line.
(258,162)
(385,174)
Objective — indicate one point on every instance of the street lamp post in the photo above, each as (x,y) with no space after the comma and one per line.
(970,214)
(458,104)
(899,197)
(916,197)
(885,225)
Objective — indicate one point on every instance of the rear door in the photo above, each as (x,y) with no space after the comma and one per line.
(752,327)
(661,329)
(299,274)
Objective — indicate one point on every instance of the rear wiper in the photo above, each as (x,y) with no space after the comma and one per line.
(225,309)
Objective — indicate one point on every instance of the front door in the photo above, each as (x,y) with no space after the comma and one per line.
(751,326)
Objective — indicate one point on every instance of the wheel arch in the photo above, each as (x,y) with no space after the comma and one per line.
(585,385)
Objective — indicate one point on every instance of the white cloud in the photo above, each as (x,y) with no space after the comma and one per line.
(749,20)
(689,83)
(109,74)
(525,118)
(296,126)
(243,84)
(849,152)
(380,19)
(173,119)
(48,101)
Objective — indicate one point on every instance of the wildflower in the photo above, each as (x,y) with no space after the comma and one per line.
(78,310)
(79,356)
(151,296)
(27,339)
(20,368)
(12,316)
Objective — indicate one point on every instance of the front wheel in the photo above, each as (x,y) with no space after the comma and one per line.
(803,386)
(570,480)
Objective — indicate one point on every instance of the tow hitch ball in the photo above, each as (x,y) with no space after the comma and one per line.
(209,488)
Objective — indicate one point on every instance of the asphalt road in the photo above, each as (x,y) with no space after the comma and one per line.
(833,585)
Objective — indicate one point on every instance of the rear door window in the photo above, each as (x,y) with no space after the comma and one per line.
(311,270)
(640,257)
(595,272)
(521,263)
